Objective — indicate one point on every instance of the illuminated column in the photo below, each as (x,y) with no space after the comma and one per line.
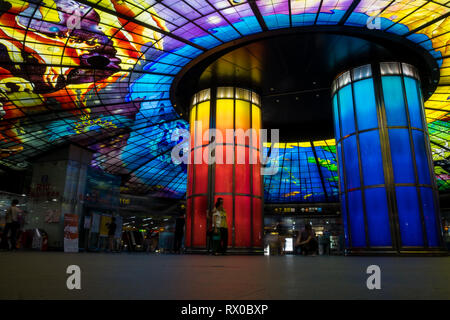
(388,192)
(235,175)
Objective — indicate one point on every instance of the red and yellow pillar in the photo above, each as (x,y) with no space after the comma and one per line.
(225,164)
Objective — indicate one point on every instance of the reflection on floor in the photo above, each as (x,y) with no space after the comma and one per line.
(42,275)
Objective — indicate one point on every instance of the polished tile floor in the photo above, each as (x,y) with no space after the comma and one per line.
(42,275)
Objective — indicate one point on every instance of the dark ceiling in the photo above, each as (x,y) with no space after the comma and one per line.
(293,73)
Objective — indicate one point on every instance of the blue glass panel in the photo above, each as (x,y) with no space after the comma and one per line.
(346,109)
(336,118)
(365,104)
(423,170)
(414,103)
(429,214)
(372,163)
(401,156)
(355,211)
(277,21)
(332,17)
(409,216)
(377,217)
(393,100)
(344,219)
(351,162)
(341,172)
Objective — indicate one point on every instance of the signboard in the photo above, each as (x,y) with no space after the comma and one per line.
(70,232)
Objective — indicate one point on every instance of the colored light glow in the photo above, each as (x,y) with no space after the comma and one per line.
(237,179)
(41,108)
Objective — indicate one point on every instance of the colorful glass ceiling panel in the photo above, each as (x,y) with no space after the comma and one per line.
(307,173)
(98,73)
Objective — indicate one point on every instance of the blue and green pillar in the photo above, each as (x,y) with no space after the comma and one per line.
(388,192)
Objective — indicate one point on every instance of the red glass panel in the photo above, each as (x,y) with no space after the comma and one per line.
(224,178)
(257,223)
(242,221)
(256,173)
(243,171)
(187,236)
(201,177)
(190,175)
(199,221)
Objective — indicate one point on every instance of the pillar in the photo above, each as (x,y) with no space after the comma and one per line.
(57,187)
(388,192)
(230,170)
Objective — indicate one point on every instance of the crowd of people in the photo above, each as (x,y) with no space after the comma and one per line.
(306,243)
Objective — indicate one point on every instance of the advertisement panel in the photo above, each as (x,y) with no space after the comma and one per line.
(70,232)
(105,220)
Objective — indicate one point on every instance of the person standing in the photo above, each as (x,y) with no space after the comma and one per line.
(220,224)
(307,241)
(12,224)
(111,232)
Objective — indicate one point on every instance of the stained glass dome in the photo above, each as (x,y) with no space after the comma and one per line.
(99,74)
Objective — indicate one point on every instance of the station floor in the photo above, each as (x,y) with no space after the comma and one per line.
(42,275)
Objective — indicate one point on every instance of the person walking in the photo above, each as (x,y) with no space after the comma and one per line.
(220,224)
(12,224)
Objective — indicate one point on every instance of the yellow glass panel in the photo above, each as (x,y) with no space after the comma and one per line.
(305,144)
(224,117)
(256,125)
(191,122)
(202,123)
(192,116)
(242,115)
(256,117)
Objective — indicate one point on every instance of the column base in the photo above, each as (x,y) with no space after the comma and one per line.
(230,251)
(412,252)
